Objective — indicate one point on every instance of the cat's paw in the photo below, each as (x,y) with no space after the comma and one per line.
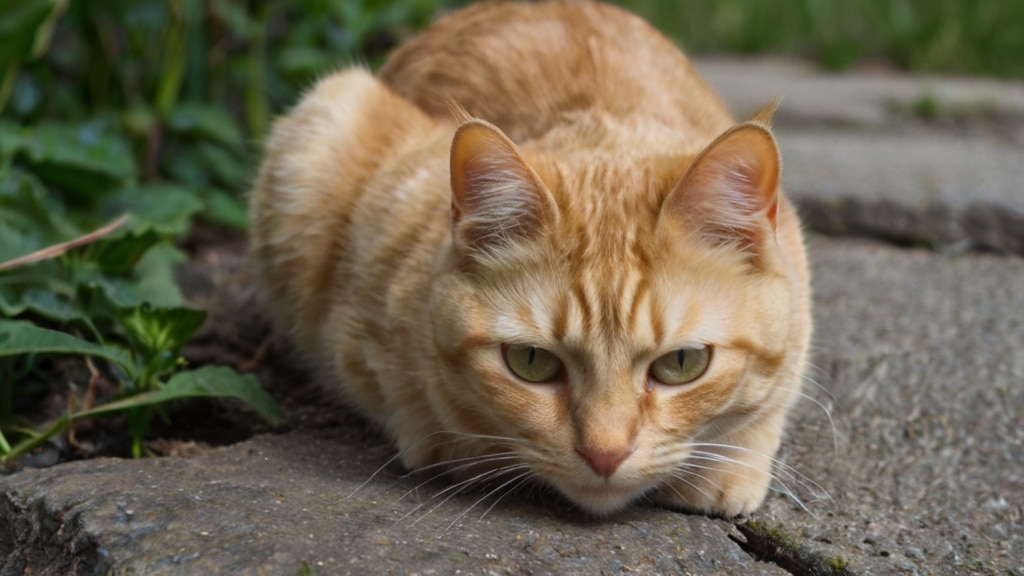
(730,491)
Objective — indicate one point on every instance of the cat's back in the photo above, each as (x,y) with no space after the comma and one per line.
(527,67)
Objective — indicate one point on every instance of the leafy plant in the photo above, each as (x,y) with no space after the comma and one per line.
(110,292)
(121,123)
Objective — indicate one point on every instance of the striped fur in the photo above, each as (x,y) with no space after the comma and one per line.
(594,199)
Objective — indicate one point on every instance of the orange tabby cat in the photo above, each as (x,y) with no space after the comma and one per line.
(588,276)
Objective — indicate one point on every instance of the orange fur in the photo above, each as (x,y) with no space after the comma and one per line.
(594,200)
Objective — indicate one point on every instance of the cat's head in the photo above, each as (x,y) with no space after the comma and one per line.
(606,312)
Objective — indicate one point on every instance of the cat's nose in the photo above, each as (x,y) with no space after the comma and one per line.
(603,462)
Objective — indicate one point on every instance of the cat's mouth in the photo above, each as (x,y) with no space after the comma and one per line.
(603,498)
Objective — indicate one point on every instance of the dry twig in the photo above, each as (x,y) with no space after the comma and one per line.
(58,249)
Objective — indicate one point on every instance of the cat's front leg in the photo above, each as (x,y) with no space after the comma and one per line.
(728,477)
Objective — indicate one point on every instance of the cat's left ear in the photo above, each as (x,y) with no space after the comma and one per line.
(730,192)
(497,198)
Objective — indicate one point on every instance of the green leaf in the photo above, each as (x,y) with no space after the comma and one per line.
(303,63)
(35,439)
(10,139)
(183,164)
(15,243)
(17,300)
(151,281)
(27,96)
(165,208)
(119,255)
(161,330)
(226,168)
(26,207)
(21,337)
(226,209)
(19,22)
(206,382)
(87,158)
(155,275)
(235,18)
(205,122)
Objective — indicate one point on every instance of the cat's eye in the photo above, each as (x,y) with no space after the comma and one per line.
(681,366)
(531,363)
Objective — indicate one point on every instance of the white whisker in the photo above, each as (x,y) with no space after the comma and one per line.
(457,488)
(523,478)
(785,489)
(789,470)
(468,463)
(518,478)
(676,474)
(828,414)
(383,466)
(811,367)
(780,472)
(459,437)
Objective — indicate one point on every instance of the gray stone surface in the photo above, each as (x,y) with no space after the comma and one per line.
(919,160)
(907,457)
(919,357)
(862,97)
(278,502)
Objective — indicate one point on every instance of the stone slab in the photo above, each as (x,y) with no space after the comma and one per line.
(868,96)
(919,360)
(863,156)
(297,504)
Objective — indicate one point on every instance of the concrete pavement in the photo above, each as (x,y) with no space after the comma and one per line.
(907,457)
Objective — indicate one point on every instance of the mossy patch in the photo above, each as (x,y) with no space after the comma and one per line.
(769,543)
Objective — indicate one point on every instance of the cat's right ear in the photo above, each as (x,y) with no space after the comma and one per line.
(497,198)
(730,193)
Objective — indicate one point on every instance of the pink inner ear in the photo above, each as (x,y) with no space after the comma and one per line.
(730,191)
(496,197)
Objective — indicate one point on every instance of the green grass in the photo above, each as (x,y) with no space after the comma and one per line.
(948,36)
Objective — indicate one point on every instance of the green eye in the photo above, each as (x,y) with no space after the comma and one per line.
(681,366)
(531,363)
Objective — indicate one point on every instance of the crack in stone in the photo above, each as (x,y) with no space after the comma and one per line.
(769,544)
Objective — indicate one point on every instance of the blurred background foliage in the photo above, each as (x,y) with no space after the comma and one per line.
(155,109)
(983,37)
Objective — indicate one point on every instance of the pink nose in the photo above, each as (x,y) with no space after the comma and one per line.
(604,463)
